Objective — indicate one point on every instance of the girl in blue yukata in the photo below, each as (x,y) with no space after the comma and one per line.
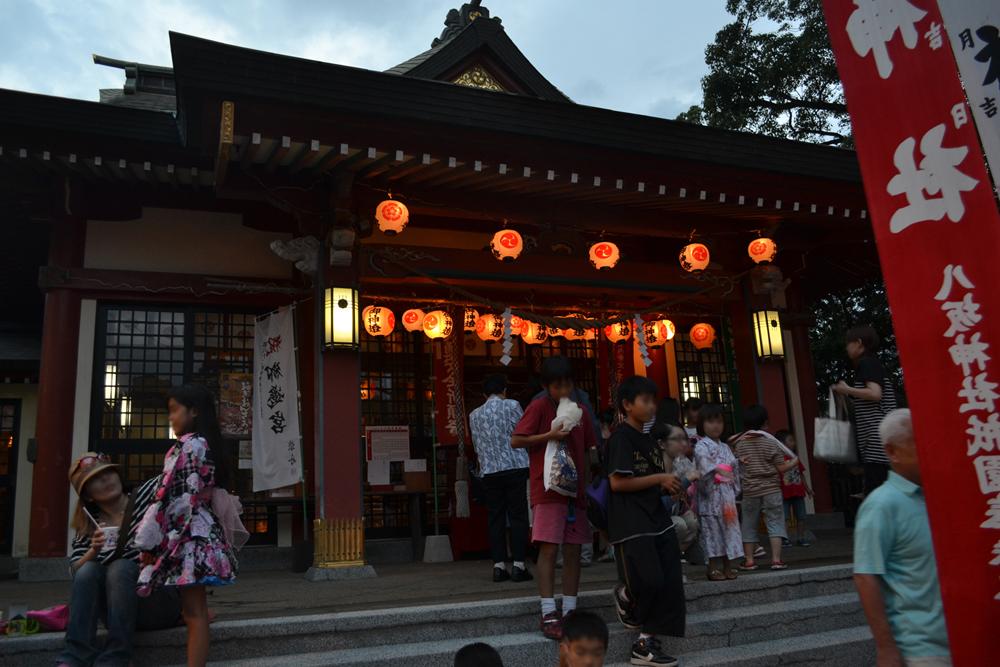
(183,541)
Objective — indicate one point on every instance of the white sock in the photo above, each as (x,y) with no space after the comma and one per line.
(569,604)
(500,565)
(548,606)
(644,635)
(519,563)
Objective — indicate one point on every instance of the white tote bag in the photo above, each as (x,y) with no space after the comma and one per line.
(834,439)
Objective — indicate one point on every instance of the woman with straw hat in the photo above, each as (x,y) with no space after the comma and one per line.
(104,564)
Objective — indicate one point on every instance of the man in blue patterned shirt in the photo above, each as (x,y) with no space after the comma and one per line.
(505,477)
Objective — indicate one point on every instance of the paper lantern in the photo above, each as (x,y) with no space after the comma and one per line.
(507,244)
(555,332)
(378,320)
(618,332)
(658,332)
(438,324)
(702,335)
(413,319)
(471,315)
(762,250)
(694,257)
(604,255)
(392,216)
(516,325)
(767,334)
(489,327)
(533,333)
(572,334)
(340,318)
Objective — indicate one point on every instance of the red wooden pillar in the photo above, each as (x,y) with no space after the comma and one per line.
(342,435)
(56,397)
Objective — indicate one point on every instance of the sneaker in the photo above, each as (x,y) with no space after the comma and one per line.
(608,557)
(519,574)
(552,626)
(648,652)
(500,574)
(785,542)
(625,609)
(759,552)
(804,543)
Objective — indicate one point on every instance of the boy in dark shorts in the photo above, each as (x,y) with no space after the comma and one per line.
(651,596)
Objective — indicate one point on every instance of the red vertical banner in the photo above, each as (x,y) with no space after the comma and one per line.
(938,233)
(449,402)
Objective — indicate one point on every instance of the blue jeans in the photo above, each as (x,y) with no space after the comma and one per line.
(107,592)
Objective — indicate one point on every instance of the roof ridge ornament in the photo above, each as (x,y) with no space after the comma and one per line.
(458,19)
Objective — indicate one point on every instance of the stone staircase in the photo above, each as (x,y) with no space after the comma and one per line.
(806,616)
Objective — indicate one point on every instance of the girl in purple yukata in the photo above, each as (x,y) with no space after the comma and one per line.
(182,540)
(718,487)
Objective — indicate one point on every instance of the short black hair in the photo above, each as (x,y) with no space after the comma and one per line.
(478,655)
(707,412)
(866,335)
(669,411)
(660,431)
(782,435)
(495,384)
(693,403)
(585,625)
(754,417)
(631,388)
(555,369)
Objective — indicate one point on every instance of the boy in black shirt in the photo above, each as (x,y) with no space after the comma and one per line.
(651,595)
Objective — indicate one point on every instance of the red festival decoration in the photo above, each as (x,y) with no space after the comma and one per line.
(604,255)
(378,320)
(507,245)
(702,335)
(489,327)
(762,250)
(392,216)
(413,319)
(930,198)
(533,333)
(694,257)
(438,324)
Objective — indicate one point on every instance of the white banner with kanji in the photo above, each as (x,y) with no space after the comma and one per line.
(277,458)
(973,28)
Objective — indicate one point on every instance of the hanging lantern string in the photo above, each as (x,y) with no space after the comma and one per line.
(728,283)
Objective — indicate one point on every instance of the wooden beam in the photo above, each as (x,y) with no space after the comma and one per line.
(307,158)
(279,153)
(224,152)
(250,150)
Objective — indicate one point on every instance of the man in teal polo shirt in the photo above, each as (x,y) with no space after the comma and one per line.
(894,568)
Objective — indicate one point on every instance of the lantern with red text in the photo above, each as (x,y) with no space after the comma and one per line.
(618,332)
(413,320)
(471,315)
(694,257)
(392,216)
(658,332)
(604,255)
(762,250)
(438,324)
(378,320)
(489,327)
(533,333)
(506,245)
(702,335)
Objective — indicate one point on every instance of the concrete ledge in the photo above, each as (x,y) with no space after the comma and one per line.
(43,569)
(340,573)
(381,552)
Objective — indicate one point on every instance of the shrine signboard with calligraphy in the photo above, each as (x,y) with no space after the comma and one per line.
(277,451)
(938,230)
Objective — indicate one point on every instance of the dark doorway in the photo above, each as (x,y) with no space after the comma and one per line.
(10,425)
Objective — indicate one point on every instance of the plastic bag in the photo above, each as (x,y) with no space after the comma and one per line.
(560,473)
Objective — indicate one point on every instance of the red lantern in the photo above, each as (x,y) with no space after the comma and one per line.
(694,257)
(471,315)
(762,250)
(604,255)
(378,320)
(516,325)
(413,319)
(533,333)
(507,244)
(392,216)
(489,327)
(438,324)
(702,335)
(618,332)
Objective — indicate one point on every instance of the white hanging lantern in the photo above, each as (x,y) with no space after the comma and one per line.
(618,332)
(392,216)
(413,319)
(471,315)
(694,257)
(572,334)
(489,327)
(657,332)
(762,250)
(438,324)
(533,333)
(378,320)
(604,255)
(507,245)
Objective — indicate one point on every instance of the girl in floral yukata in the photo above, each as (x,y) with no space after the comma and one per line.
(182,540)
(718,487)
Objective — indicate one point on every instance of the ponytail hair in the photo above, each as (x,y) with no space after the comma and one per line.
(206,424)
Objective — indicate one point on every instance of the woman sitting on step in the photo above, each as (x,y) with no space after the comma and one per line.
(105,566)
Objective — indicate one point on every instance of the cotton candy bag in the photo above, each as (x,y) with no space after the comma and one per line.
(560,474)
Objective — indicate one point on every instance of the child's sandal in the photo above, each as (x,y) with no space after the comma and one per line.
(731,575)
(716,575)
(748,568)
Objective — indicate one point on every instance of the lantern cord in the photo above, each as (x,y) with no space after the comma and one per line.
(575,323)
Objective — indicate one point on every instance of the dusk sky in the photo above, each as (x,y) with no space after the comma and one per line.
(643,56)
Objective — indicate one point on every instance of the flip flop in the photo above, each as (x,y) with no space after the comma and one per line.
(778,565)
(748,568)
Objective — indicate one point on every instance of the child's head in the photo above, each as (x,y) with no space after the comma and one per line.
(557,377)
(755,418)
(787,438)
(478,655)
(192,410)
(584,641)
(637,398)
(691,408)
(711,421)
(495,385)
(672,439)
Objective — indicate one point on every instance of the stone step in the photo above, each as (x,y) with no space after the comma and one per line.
(732,612)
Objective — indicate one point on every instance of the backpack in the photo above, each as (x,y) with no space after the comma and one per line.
(599,494)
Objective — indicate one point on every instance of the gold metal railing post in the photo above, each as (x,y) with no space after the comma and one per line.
(339,542)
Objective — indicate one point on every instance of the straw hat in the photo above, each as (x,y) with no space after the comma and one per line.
(86,467)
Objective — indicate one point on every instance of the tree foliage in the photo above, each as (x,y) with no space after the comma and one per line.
(834,314)
(772,71)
